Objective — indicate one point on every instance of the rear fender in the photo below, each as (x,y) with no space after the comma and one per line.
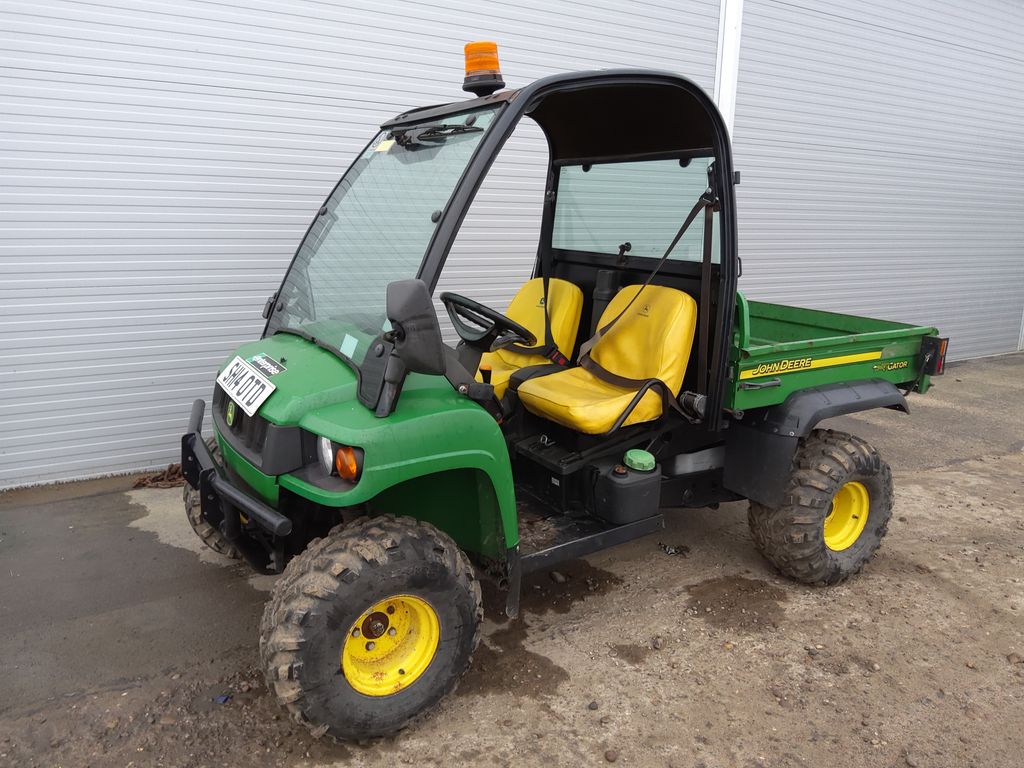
(759,450)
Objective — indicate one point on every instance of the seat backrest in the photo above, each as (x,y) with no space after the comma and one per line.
(653,339)
(565,303)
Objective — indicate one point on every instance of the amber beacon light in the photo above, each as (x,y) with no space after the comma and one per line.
(483,74)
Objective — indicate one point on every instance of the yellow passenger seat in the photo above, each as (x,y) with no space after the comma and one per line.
(565,303)
(652,340)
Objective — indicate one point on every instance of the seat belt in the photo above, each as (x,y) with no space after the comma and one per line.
(548,349)
(704,310)
(669,402)
(706,200)
(523,375)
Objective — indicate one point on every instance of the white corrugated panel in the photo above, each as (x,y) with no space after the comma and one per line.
(162,160)
(882,152)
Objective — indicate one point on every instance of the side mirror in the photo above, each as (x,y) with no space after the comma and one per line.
(416,334)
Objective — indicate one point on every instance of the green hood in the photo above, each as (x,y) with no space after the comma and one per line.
(314,378)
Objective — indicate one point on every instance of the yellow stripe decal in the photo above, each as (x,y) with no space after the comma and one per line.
(780,367)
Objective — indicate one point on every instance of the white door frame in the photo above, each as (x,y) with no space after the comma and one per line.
(727,70)
(1020,340)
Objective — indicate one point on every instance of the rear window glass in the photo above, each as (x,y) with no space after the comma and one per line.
(644,203)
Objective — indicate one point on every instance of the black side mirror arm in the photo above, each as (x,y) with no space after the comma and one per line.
(391,388)
(269,306)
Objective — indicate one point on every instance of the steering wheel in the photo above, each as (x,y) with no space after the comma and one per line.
(480,326)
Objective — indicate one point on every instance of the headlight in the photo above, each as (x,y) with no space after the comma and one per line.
(325,449)
(343,461)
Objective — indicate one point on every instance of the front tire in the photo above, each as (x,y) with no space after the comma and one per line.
(370,627)
(209,535)
(837,508)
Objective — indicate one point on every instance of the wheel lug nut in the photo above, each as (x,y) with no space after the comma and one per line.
(370,646)
(391,609)
(355,633)
(392,632)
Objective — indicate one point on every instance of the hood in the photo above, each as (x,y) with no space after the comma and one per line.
(309,377)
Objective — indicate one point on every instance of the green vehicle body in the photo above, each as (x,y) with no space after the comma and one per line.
(445,457)
(440,456)
(801,348)
(437,453)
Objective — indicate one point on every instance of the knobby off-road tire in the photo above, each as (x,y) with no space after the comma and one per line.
(325,595)
(209,535)
(793,536)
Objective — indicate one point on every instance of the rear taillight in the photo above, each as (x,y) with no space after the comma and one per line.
(933,353)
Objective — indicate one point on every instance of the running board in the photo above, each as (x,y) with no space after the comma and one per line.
(571,548)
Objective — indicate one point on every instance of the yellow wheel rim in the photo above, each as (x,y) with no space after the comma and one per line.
(848,516)
(390,646)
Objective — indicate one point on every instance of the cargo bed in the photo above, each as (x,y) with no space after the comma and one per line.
(779,349)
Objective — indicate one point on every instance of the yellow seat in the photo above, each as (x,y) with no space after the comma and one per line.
(565,303)
(651,341)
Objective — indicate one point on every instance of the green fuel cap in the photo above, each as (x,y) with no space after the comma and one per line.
(639,459)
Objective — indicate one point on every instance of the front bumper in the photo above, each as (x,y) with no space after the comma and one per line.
(223,505)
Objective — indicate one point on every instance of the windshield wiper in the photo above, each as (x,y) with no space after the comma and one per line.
(320,343)
(438,132)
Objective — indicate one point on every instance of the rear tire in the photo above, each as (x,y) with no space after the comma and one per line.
(209,535)
(808,538)
(352,684)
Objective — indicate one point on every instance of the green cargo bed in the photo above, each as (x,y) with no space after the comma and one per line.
(779,349)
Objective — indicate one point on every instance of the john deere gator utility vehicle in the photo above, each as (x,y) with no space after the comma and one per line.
(384,472)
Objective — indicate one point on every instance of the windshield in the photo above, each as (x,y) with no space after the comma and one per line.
(374,229)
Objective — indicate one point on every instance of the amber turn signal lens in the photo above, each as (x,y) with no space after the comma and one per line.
(347,463)
(482,58)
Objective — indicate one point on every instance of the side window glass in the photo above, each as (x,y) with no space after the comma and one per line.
(603,205)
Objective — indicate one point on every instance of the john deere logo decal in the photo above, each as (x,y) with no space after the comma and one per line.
(782,366)
(778,367)
(230,414)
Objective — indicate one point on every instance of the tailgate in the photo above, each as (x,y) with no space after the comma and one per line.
(781,349)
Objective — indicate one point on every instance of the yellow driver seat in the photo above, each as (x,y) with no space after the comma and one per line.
(565,303)
(651,341)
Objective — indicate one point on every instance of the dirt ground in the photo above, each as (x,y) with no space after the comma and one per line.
(125,644)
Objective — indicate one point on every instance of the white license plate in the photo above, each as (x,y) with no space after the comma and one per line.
(245,385)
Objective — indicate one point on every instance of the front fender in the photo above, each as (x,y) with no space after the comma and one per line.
(433,433)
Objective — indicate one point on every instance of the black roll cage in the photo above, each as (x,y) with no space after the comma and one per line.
(518,103)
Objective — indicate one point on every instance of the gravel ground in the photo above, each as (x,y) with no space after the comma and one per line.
(125,644)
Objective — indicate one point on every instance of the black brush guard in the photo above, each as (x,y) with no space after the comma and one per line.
(223,505)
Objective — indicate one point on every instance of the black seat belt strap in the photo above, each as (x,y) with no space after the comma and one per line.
(548,349)
(522,375)
(704,309)
(706,201)
(668,399)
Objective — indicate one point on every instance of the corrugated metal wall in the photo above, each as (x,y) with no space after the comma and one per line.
(161,161)
(882,152)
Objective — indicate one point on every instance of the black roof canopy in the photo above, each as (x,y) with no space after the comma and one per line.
(623,120)
(603,114)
